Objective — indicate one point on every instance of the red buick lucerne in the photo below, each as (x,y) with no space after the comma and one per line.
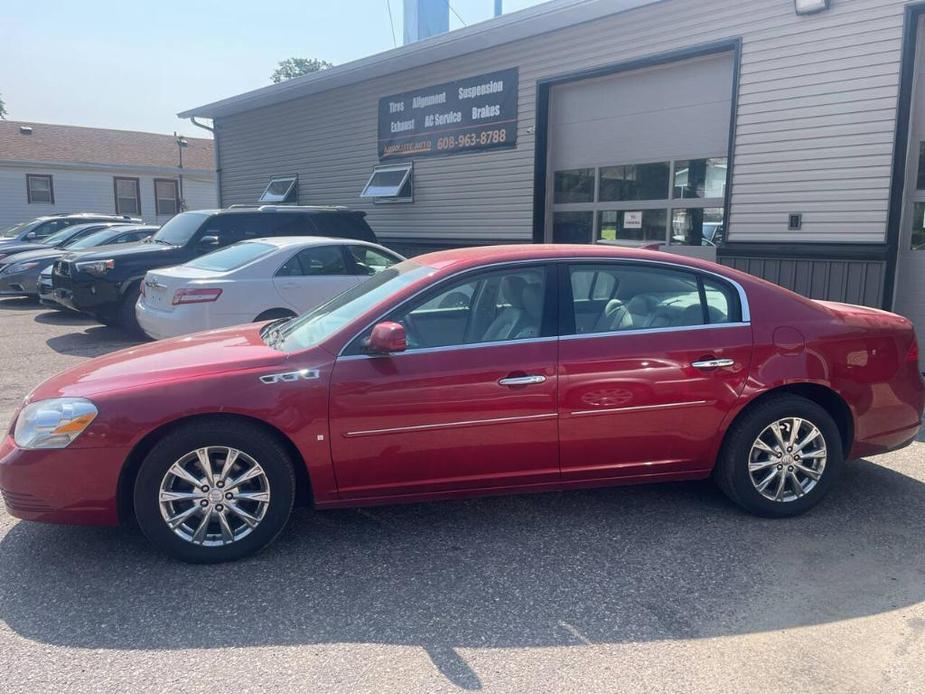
(477,371)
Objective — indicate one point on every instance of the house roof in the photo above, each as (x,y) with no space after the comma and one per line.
(70,144)
(533,21)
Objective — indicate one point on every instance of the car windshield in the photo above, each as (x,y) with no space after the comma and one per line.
(232,257)
(60,236)
(318,325)
(97,238)
(180,228)
(17,230)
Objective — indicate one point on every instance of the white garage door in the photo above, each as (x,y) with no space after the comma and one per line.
(641,156)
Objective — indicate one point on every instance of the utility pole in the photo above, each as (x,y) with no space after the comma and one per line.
(181,145)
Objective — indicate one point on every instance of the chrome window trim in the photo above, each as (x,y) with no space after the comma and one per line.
(743,300)
(654,331)
(450,348)
(450,425)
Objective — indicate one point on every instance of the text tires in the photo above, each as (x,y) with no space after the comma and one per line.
(214,490)
(781,458)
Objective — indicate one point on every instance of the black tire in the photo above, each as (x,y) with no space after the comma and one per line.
(125,315)
(250,440)
(732,467)
(274,314)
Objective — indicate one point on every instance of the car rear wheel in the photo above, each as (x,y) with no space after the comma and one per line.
(214,491)
(781,458)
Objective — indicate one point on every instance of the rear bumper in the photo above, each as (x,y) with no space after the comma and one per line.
(183,320)
(70,485)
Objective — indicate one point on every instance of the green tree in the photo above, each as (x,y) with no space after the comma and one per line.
(2,108)
(294,67)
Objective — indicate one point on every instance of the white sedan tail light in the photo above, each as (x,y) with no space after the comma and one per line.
(195,296)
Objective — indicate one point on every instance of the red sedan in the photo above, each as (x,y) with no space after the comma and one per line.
(479,371)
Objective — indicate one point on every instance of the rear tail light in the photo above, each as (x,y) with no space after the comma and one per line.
(912,356)
(195,296)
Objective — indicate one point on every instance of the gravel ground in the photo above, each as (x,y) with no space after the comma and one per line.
(657,588)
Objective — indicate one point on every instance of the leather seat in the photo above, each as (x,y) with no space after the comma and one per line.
(615,317)
(521,319)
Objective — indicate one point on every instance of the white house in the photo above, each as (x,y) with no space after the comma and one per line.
(50,169)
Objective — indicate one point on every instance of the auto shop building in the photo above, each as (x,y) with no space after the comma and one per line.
(787,133)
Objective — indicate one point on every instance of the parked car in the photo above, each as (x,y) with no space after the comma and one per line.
(257,280)
(107,284)
(19,273)
(42,227)
(477,371)
(57,240)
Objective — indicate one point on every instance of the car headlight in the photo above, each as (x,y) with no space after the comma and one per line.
(53,423)
(19,267)
(96,267)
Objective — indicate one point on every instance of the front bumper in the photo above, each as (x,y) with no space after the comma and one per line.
(19,284)
(75,486)
(85,293)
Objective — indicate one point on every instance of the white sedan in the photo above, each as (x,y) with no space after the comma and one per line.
(254,280)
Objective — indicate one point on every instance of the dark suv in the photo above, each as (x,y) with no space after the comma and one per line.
(105,282)
(43,227)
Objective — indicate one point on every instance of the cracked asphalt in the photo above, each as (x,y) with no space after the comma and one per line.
(664,588)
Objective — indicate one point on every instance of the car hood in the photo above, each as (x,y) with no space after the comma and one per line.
(21,247)
(121,250)
(48,254)
(158,363)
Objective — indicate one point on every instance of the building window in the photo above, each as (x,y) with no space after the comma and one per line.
(280,189)
(166,196)
(391,183)
(672,202)
(128,195)
(574,186)
(40,189)
(635,182)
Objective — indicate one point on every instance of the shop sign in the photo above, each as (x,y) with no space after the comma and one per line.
(468,115)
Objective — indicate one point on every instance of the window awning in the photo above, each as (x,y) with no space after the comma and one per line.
(393,181)
(280,189)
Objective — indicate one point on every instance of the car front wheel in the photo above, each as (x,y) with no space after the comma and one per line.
(781,457)
(214,491)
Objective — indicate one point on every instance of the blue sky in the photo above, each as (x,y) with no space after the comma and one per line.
(133,64)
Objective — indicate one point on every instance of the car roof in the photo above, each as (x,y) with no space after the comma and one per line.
(304,209)
(461,258)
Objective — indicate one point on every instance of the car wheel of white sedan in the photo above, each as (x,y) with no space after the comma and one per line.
(214,490)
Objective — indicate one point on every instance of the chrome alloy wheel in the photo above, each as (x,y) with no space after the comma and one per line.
(787,459)
(214,496)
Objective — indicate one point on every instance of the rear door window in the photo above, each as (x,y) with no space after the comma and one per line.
(641,297)
(315,262)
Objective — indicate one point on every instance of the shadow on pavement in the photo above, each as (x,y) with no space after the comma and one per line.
(18,303)
(673,561)
(93,342)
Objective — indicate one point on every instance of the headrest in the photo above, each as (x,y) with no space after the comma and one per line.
(533,299)
(512,290)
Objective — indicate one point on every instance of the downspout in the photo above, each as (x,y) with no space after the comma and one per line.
(215,155)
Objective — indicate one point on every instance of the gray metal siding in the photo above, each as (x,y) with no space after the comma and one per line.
(855,282)
(815,127)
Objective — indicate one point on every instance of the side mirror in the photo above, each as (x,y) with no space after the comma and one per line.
(208,242)
(386,338)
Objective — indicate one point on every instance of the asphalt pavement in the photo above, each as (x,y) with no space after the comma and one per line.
(662,588)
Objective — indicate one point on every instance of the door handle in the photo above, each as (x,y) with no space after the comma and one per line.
(713,363)
(522,380)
